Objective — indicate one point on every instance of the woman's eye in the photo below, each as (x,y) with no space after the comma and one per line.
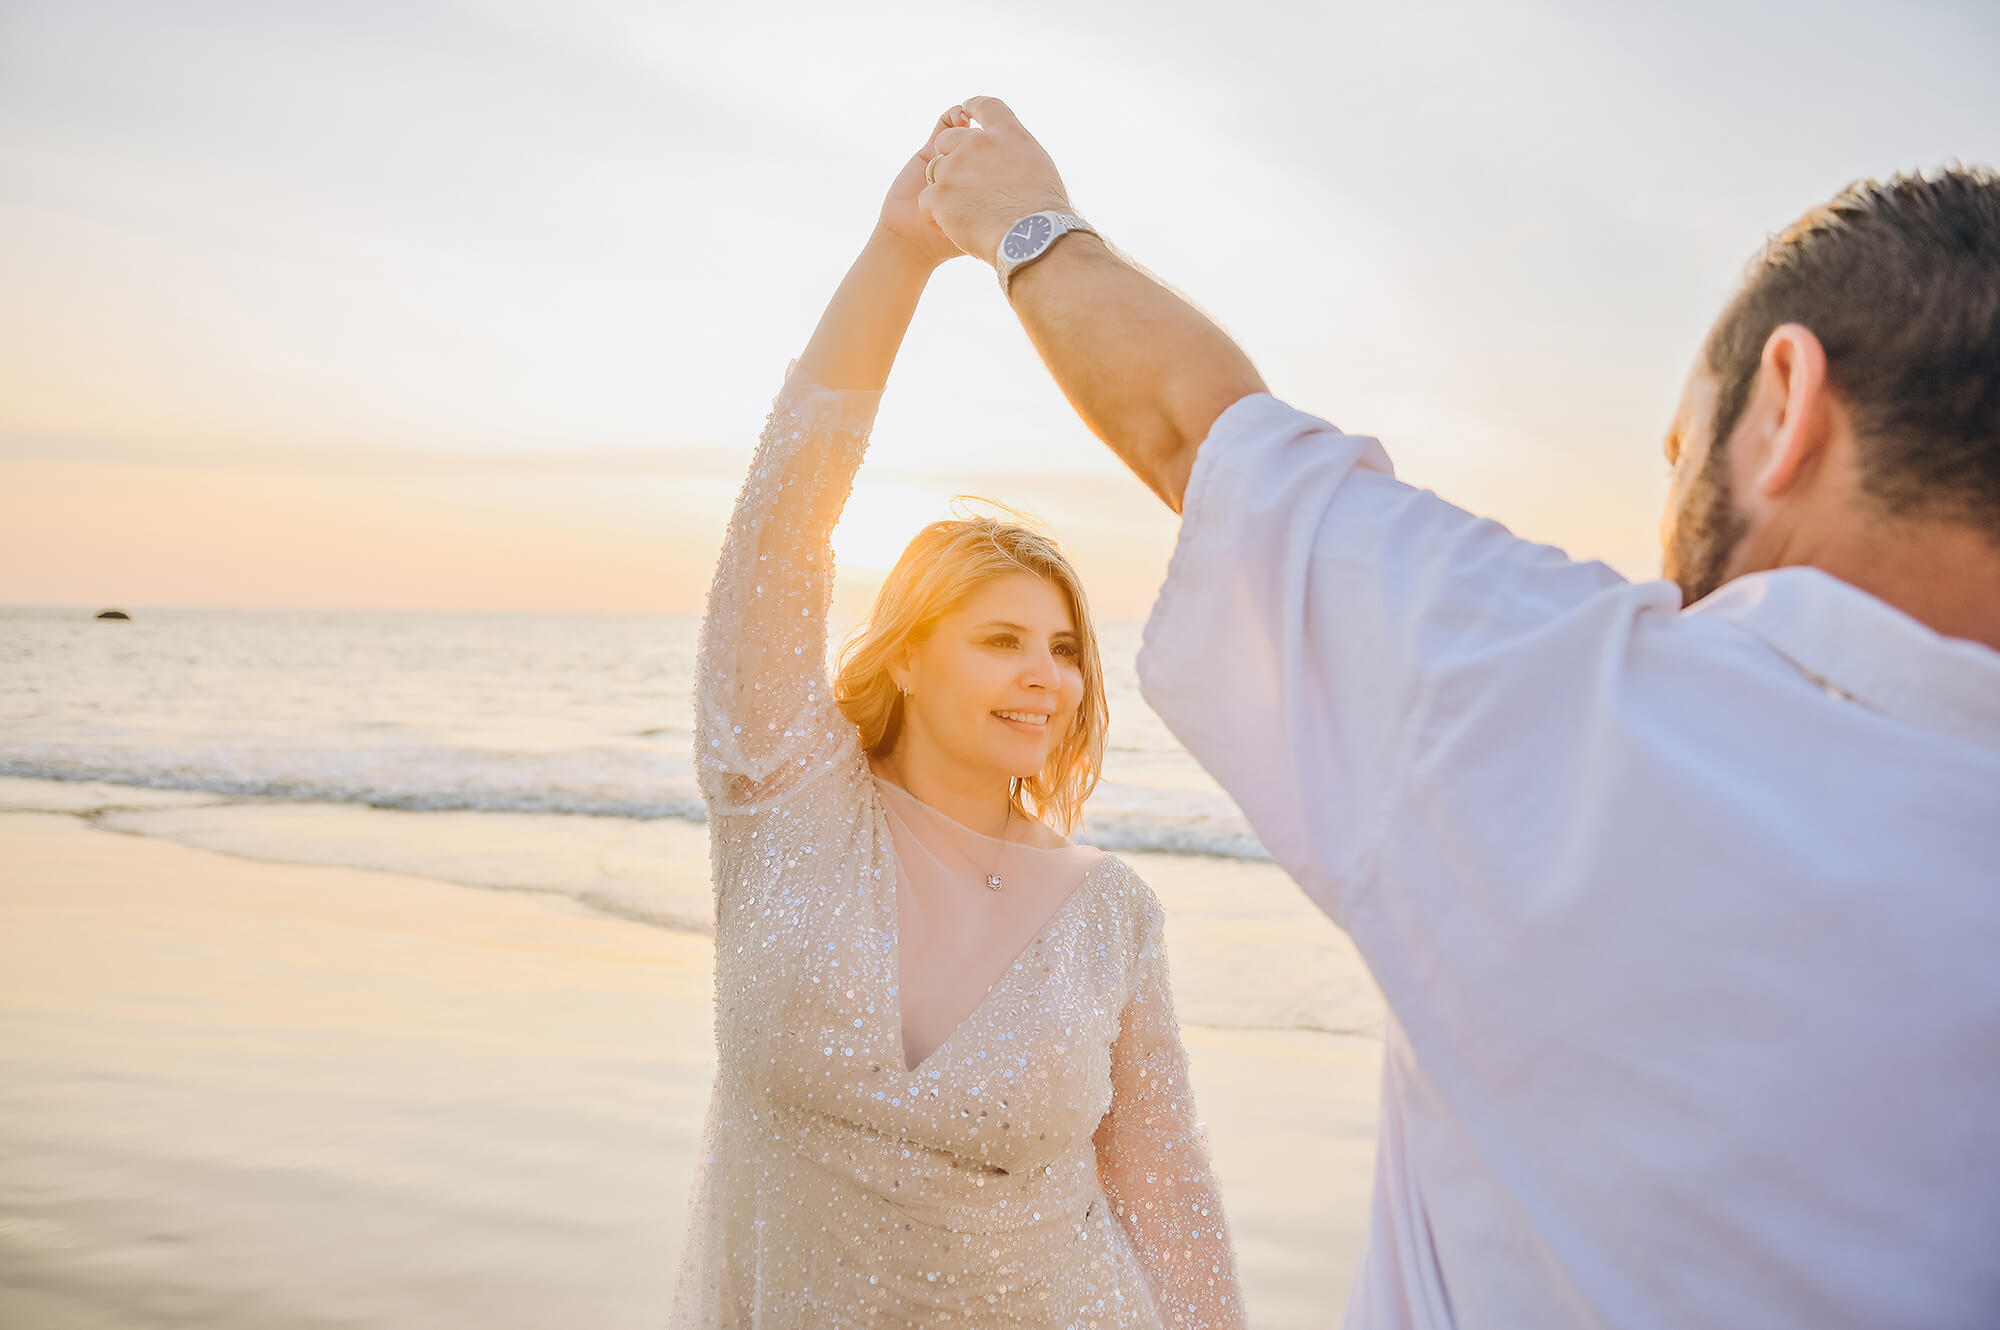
(1066,649)
(1003,640)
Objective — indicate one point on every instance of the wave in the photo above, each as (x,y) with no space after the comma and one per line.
(611,782)
(421,781)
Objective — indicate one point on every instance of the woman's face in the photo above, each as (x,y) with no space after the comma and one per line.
(997,684)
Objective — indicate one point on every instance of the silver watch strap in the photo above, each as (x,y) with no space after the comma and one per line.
(1062,222)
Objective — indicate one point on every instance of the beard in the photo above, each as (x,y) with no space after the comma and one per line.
(1708,530)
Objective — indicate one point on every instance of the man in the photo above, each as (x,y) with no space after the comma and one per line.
(1688,918)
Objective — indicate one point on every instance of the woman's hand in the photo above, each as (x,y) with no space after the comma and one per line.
(856,340)
(902,219)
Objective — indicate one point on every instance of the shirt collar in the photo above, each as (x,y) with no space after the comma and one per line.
(1866,650)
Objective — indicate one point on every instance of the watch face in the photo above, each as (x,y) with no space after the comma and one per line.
(1027,237)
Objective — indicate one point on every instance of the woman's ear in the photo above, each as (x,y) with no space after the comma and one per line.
(900,665)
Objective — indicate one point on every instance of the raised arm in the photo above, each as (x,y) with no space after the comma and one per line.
(1152,1160)
(1147,371)
(764,719)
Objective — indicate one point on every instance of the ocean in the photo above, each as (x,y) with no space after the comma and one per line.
(550,752)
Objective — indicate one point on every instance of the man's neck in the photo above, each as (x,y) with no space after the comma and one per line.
(1945,577)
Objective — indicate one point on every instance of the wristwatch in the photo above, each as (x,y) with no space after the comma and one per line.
(1030,238)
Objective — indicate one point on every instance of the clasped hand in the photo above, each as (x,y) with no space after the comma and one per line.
(979,173)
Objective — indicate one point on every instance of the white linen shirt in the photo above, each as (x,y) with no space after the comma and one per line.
(1689,922)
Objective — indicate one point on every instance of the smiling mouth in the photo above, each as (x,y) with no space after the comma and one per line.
(1039,720)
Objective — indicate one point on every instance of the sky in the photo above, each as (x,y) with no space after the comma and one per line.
(418,304)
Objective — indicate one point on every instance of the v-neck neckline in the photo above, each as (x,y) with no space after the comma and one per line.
(896,953)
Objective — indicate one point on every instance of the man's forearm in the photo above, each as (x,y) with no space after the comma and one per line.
(1146,370)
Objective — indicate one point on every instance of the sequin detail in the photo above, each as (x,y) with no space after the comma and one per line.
(1043,1165)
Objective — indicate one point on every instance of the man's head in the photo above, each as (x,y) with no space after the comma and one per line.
(1850,392)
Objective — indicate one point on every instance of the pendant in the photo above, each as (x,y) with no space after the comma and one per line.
(993,882)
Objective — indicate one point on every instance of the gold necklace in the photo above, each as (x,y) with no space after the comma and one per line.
(993,880)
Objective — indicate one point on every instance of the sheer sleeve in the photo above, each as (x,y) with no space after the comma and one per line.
(765,723)
(1152,1159)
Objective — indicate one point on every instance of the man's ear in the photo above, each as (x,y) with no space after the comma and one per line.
(1796,404)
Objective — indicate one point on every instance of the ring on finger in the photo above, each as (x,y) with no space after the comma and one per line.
(930,170)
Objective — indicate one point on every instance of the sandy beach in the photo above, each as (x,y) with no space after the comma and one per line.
(241,1093)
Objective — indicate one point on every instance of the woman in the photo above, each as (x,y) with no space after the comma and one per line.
(951,1089)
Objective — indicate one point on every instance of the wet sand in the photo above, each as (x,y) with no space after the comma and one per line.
(237,1093)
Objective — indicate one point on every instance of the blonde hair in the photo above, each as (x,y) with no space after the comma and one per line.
(945,563)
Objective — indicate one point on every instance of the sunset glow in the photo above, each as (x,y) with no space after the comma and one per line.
(482,306)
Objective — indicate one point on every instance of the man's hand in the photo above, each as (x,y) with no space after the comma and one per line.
(986,178)
(1146,370)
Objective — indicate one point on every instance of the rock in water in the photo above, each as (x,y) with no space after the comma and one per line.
(113,614)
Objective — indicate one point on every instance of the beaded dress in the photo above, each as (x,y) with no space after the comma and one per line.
(1042,1166)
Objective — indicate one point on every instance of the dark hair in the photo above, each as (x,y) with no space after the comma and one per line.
(1900,281)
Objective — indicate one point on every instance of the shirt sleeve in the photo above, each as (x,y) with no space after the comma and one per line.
(765,723)
(1311,604)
